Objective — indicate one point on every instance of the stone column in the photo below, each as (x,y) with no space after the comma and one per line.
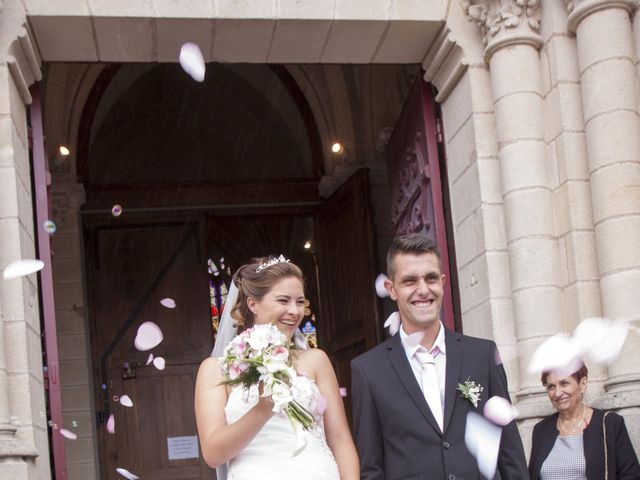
(636,34)
(512,42)
(610,104)
(24,451)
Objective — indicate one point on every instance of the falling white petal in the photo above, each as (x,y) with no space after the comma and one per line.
(126,401)
(21,268)
(393,322)
(126,473)
(150,358)
(149,336)
(499,410)
(483,442)
(380,290)
(159,363)
(111,424)
(610,343)
(590,332)
(343,392)
(558,353)
(192,61)
(168,302)
(68,434)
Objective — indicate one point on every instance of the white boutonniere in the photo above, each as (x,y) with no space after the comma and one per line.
(470,390)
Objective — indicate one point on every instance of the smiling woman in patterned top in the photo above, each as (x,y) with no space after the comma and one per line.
(579,442)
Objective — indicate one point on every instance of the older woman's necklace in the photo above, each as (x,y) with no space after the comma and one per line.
(579,425)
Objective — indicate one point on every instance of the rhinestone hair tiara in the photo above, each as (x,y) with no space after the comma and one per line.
(271,262)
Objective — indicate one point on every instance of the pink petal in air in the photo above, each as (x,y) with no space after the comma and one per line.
(559,354)
(192,61)
(610,344)
(149,336)
(111,424)
(68,434)
(499,410)
(483,442)
(22,268)
(380,290)
(150,358)
(159,363)
(125,401)
(168,302)
(343,392)
(126,474)
(393,322)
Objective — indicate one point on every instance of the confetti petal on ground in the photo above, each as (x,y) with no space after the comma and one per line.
(483,442)
(111,424)
(380,290)
(67,434)
(610,344)
(126,401)
(149,336)
(159,363)
(499,410)
(22,268)
(150,358)
(192,61)
(126,473)
(168,303)
(343,392)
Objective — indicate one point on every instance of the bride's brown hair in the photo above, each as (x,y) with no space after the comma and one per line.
(255,281)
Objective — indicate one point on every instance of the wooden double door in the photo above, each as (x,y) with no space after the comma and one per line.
(134,261)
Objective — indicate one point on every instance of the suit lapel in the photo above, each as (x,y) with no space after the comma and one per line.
(452,375)
(400,363)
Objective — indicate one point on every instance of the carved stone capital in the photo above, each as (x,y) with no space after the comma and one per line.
(505,22)
(580,9)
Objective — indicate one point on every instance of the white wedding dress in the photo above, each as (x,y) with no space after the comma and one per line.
(269,455)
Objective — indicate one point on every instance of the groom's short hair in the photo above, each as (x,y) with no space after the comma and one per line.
(415,243)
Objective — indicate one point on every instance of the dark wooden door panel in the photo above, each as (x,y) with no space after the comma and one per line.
(131,268)
(345,249)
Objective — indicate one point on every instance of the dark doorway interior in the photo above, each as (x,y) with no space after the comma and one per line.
(176,174)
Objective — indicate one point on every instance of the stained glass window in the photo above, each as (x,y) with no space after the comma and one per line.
(219,281)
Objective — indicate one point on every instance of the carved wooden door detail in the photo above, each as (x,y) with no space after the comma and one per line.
(415,181)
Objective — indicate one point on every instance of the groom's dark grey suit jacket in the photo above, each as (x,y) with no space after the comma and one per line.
(395,432)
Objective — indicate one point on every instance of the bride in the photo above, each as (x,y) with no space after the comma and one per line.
(237,427)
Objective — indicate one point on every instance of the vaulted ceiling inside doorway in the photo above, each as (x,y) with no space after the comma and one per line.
(155,124)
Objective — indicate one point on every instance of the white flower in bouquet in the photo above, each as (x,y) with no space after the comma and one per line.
(262,354)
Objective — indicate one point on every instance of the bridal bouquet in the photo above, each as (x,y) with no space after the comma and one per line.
(263,354)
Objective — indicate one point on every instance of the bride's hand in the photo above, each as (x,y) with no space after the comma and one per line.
(265,404)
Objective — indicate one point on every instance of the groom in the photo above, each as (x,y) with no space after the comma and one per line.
(408,417)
